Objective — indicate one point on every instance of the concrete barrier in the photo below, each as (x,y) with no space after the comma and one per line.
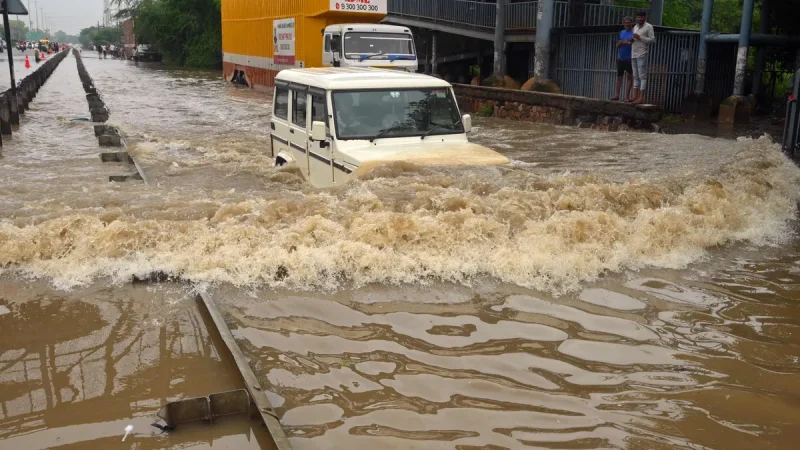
(97,106)
(107,136)
(556,109)
(11,107)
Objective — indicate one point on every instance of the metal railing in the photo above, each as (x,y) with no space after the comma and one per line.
(599,15)
(459,13)
(586,65)
(521,15)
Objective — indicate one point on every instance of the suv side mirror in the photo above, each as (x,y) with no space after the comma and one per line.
(318,131)
(466,119)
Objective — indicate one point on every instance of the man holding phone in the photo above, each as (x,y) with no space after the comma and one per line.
(643,36)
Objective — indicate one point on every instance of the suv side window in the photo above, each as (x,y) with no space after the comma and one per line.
(299,108)
(281,103)
(327,43)
(318,110)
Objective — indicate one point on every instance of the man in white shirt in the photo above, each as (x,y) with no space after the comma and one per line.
(643,36)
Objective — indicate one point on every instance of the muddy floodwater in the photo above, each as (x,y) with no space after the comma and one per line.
(605,290)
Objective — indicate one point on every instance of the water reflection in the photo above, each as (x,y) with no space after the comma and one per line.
(636,361)
(80,366)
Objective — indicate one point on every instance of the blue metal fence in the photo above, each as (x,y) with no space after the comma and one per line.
(586,65)
(520,15)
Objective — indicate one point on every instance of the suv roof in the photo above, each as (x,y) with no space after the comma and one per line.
(330,78)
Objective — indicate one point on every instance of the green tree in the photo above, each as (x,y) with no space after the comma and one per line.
(60,36)
(100,36)
(18,30)
(187,32)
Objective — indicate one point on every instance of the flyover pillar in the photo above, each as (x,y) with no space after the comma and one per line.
(736,109)
(500,40)
(761,51)
(698,105)
(656,13)
(541,65)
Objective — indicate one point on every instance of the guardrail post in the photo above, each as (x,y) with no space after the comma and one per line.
(21,104)
(5,115)
(13,107)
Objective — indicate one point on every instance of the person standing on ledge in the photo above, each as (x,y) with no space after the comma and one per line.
(624,59)
(643,36)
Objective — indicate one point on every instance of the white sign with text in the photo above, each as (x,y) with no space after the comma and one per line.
(283,40)
(359,6)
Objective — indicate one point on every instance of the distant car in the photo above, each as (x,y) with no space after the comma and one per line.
(144,52)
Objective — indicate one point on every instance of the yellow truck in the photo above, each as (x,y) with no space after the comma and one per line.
(262,37)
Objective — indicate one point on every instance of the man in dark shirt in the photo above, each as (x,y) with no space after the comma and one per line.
(624,58)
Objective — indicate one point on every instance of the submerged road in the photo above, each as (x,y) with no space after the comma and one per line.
(607,290)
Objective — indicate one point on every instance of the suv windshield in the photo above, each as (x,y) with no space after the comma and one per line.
(395,113)
(357,44)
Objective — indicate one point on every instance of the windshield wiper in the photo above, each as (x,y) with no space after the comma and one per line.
(428,133)
(370,56)
(381,133)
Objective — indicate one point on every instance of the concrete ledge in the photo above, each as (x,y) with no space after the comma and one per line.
(734,111)
(123,178)
(122,157)
(555,109)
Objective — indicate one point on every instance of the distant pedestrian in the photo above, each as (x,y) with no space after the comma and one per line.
(624,64)
(643,36)
(36,55)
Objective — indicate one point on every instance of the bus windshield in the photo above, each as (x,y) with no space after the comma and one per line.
(357,44)
(395,113)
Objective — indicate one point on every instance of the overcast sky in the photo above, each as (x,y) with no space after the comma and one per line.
(67,15)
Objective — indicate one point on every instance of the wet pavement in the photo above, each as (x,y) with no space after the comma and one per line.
(606,290)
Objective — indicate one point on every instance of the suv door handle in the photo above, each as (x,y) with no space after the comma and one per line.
(291,131)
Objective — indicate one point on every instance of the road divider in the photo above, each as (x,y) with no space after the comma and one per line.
(12,107)
(107,135)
